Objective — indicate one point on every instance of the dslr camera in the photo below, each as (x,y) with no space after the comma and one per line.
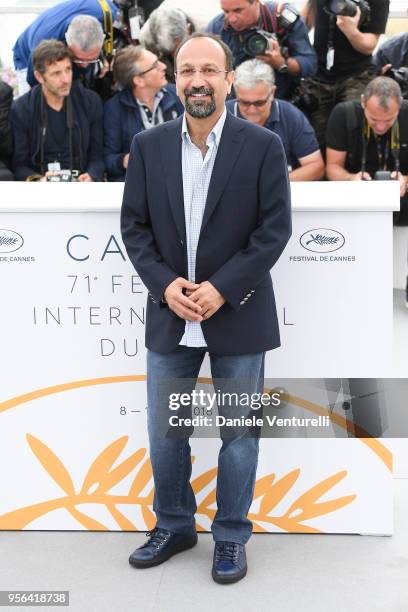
(348,8)
(63,176)
(260,41)
(400,75)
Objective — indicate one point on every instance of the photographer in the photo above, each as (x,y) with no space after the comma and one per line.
(345,36)
(391,59)
(369,139)
(393,53)
(163,32)
(255,89)
(144,102)
(247,26)
(79,24)
(57,126)
(6,97)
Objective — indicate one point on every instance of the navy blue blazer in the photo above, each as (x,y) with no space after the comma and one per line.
(122,120)
(245,227)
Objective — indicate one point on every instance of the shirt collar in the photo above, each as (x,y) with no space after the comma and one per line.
(214,135)
(157,98)
(274,116)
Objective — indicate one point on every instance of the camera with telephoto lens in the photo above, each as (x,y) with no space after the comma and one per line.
(348,8)
(63,176)
(260,40)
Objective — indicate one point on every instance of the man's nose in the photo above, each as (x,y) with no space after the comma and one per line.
(197,80)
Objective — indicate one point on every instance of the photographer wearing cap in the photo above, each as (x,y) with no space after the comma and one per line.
(79,24)
(255,89)
(368,140)
(57,126)
(146,100)
(345,36)
(270,31)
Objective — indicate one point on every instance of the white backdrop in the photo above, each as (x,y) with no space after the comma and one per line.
(72,437)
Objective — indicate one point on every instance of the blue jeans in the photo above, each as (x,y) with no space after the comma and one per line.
(174,500)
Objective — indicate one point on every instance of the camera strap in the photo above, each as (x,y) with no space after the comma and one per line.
(108,30)
(392,138)
(44,129)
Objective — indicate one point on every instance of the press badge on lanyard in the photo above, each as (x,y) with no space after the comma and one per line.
(330,58)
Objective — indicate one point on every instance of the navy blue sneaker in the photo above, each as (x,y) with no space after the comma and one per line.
(229,564)
(160,546)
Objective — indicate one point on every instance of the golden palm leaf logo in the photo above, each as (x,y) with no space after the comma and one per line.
(105,473)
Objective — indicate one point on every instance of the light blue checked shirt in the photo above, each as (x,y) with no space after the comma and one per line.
(196,180)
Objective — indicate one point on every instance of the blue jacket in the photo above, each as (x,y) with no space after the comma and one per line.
(25,118)
(53,23)
(245,227)
(290,124)
(122,120)
(298,43)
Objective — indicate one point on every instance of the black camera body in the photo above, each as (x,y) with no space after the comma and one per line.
(382,175)
(260,41)
(63,176)
(304,97)
(348,8)
(400,75)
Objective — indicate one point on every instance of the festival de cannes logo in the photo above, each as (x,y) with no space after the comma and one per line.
(10,241)
(322,240)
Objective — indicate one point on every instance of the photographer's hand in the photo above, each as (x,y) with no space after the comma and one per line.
(364,42)
(360,176)
(105,69)
(403,181)
(273,56)
(348,25)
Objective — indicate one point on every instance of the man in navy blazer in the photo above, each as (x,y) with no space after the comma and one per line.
(205,216)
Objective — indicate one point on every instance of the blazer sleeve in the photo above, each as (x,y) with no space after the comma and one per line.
(137,232)
(243,271)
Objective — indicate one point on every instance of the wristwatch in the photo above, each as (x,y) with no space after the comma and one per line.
(283,69)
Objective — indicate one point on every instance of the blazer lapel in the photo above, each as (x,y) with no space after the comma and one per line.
(232,140)
(170,149)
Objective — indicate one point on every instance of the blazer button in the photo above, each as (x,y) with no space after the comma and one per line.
(242,303)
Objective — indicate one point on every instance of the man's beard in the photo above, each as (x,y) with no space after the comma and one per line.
(199,109)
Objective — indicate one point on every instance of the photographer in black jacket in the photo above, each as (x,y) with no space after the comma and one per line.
(6,97)
(345,36)
(58,125)
(368,140)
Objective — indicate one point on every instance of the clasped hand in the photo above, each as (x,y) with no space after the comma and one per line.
(193,301)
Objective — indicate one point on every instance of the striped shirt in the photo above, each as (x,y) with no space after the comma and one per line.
(196,180)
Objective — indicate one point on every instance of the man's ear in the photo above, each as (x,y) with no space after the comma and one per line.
(39,77)
(230,79)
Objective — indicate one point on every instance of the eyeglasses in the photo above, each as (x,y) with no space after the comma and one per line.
(256,103)
(77,61)
(152,67)
(206,72)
